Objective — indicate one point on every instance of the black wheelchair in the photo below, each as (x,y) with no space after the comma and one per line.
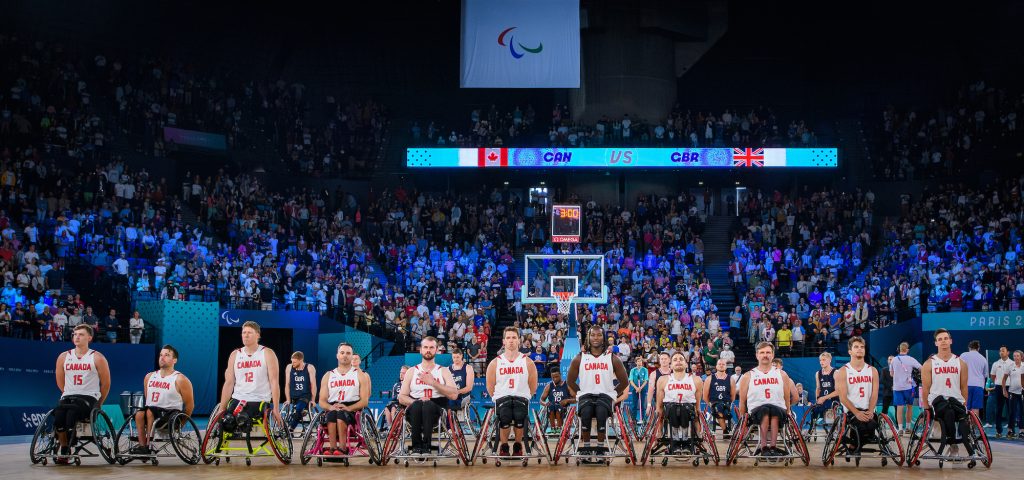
(849,440)
(747,436)
(929,442)
(698,447)
(174,435)
(91,438)
(535,445)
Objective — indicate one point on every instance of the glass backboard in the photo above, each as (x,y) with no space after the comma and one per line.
(547,273)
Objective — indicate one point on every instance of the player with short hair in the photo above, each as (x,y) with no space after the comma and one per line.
(511,382)
(556,397)
(344,392)
(677,401)
(167,391)
(592,377)
(857,388)
(719,393)
(425,393)
(902,369)
(83,377)
(251,382)
(764,392)
(301,387)
(944,390)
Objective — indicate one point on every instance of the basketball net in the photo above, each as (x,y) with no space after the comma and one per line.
(563,300)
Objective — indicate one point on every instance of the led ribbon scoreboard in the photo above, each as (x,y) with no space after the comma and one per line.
(622,157)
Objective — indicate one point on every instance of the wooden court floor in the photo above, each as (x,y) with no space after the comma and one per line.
(14,464)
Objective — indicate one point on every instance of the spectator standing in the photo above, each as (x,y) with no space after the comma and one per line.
(111,326)
(135,328)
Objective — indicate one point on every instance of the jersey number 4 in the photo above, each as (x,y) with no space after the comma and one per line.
(949,383)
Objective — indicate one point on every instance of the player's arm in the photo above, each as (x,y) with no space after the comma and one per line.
(273,371)
(926,382)
(60,372)
(404,394)
(620,375)
(660,396)
(365,389)
(531,372)
(705,390)
(103,369)
(544,393)
(787,389)
(324,392)
(288,383)
(572,379)
(874,390)
(188,403)
(734,390)
(744,385)
(698,386)
(448,389)
(963,379)
(229,382)
(312,384)
(843,389)
(145,387)
(470,379)
(817,387)
(492,380)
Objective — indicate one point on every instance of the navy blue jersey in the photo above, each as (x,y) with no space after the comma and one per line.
(721,389)
(301,387)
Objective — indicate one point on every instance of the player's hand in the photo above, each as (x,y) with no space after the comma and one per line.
(565,403)
(820,401)
(863,416)
(427,379)
(277,417)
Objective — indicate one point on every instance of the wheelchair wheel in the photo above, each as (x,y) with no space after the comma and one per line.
(918,438)
(127,439)
(368,430)
(625,437)
(214,437)
(311,444)
(889,439)
(103,436)
(279,436)
(458,437)
(653,434)
(483,435)
(709,439)
(475,420)
(568,430)
(980,439)
(736,443)
(832,442)
(44,441)
(185,439)
(540,438)
(798,440)
(393,438)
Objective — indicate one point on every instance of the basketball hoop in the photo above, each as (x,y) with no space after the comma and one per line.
(563,300)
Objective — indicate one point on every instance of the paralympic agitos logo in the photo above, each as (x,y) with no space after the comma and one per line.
(512,44)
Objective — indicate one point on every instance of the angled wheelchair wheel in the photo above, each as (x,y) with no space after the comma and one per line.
(127,439)
(103,436)
(980,439)
(653,436)
(458,437)
(368,430)
(625,436)
(568,432)
(393,438)
(889,439)
(44,441)
(279,435)
(483,434)
(540,440)
(475,420)
(736,443)
(709,439)
(311,441)
(918,438)
(832,441)
(798,439)
(213,437)
(185,439)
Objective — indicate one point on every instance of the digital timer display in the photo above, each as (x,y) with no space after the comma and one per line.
(565,223)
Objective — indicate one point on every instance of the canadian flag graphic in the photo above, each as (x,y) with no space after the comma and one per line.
(492,157)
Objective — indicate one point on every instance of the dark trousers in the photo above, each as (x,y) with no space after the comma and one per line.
(422,417)
(1016,404)
(1001,403)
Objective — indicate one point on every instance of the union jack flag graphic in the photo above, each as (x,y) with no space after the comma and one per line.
(747,157)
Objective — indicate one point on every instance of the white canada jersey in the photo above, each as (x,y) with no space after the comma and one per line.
(946,379)
(680,390)
(597,375)
(511,378)
(859,386)
(252,382)
(80,375)
(343,387)
(765,389)
(162,392)
(419,390)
